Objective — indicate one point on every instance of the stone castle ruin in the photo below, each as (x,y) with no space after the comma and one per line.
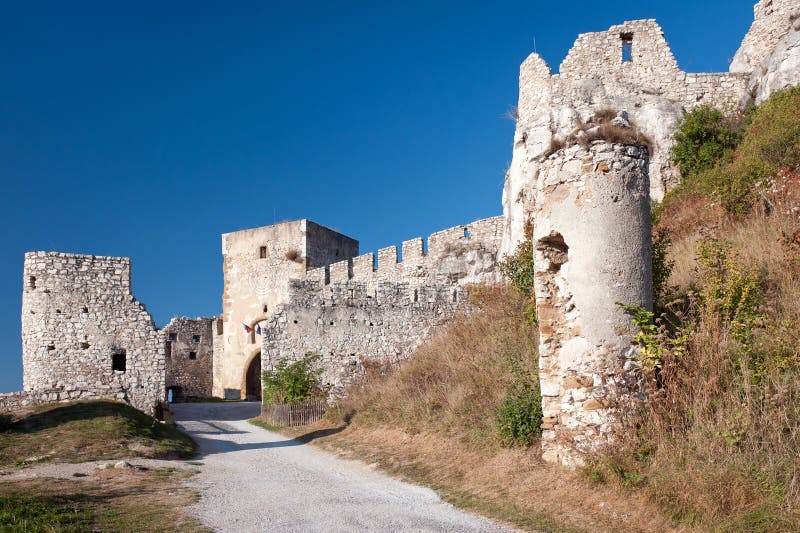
(299,287)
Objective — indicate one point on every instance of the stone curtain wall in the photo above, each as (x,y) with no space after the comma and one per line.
(650,87)
(78,313)
(189,357)
(352,311)
(592,250)
(460,255)
(350,322)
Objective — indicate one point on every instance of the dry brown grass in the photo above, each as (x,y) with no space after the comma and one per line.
(432,421)
(109,500)
(294,255)
(457,380)
(600,128)
(719,445)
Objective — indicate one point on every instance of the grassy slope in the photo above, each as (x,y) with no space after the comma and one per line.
(108,500)
(86,431)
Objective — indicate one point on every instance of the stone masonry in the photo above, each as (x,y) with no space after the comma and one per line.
(591,252)
(84,335)
(189,357)
(257,266)
(631,68)
(352,312)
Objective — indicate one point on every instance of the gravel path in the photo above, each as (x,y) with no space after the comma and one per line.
(256,480)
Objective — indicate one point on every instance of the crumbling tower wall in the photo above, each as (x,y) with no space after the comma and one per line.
(84,335)
(591,252)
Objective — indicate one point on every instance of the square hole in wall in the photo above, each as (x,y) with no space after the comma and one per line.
(219,327)
(51,347)
(262,252)
(173,336)
(32,282)
(192,355)
(84,346)
(627,47)
(195,338)
(119,361)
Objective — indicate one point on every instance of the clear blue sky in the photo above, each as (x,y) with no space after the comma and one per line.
(147,129)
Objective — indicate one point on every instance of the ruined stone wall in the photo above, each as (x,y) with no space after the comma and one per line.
(257,266)
(591,251)
(772,21)
(595,75)
(461,255)
(189,357)
(353,310)
(350,322)
(80,321)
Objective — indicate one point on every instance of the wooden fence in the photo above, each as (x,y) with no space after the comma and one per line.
(297,414)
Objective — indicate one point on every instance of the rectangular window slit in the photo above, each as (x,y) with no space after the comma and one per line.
(192,355)
(118,361)
(627,47)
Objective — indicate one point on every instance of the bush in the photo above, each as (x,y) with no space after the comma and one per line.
(702,138)
(518,269)
(519,418)
(296,382)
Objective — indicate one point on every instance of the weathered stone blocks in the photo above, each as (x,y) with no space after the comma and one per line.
(591,252)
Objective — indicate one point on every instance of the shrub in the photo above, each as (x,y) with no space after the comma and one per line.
(702,138)
(294,255)
(296,382)
(662,267)
(518,268)
(519,418)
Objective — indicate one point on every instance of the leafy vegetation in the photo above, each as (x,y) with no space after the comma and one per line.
(718,442)
(703,137)
(295,382)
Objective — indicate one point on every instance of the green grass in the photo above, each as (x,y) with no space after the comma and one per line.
(86,431)
(260,423)
(44,513)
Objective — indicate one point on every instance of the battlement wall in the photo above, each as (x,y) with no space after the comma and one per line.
(349,323)
(459,255)
(82,330)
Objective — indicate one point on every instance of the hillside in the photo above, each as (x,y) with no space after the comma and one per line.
(717,445)
(51,480)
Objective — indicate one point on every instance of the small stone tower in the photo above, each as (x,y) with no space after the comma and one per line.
(592,248)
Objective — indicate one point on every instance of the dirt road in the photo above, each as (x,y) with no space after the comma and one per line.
(256,480)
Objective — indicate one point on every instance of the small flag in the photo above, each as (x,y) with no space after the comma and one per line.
(258,330)
(247,328)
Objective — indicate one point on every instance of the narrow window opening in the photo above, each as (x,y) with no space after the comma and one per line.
(32,282)
(58,311)
(195,338)
(119,361)
(416,295)
(85,310)
(173,336)
(192,355)
(337,253)
(262,252)
(219,327)
(265,308)
(466,233)
(627,47)
(84,346)
(51,347)
(169,349)
(455,295)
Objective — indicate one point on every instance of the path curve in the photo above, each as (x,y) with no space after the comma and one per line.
(256,480)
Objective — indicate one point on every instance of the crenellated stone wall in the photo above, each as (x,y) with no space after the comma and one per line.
(591,252)
(350,322)
(85,335)
(189,357)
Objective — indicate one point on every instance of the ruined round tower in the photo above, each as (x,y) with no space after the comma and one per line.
(592,247)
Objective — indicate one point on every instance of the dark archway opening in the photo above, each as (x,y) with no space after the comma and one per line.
(253,381)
